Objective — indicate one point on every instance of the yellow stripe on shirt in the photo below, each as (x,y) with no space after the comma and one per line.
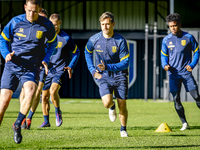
(88,50)
(196,49)
(163,53)
(52,39)
(75,50)
(124,57)
(4,36)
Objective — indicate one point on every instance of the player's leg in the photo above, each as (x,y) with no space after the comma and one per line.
(196,96)
(191,86)
(108,102)
(45,108)
(55,98)
(178,106)
(121,93)
(5,98)
(29,93)
(175,82)
(34,105)
(123,116)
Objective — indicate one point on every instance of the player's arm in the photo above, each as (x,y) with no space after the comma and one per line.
(89,57)
(75,53)
(195,49)
(75,56)
(50,46)
(164,56)
(5,39)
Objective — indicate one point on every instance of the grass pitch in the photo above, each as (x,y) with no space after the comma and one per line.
(86,126)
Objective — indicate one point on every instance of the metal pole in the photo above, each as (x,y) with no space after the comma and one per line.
(146,63)
(171,6)
(154,60)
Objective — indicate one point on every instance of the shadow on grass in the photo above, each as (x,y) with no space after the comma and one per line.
(136,147)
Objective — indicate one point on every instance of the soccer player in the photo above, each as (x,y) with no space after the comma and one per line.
(57,71)
(176,58)
(26,123)
(111,68)
(26,34)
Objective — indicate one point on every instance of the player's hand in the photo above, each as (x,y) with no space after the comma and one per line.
(101,66)
(45,67)
(69,70)
(9,56)
(188,68)
(166,68)
(97,75)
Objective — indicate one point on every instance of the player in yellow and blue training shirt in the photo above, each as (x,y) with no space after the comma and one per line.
(26,36)
(111,68)
(176,57)
(57,71)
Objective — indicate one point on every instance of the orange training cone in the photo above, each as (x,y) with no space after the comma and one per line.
(163,128)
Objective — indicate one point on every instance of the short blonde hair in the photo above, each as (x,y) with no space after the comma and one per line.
(55,17)
(107,15)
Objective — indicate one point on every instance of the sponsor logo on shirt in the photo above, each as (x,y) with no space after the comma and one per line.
(21,30)
(171,46)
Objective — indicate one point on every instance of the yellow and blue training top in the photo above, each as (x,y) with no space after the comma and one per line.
(28,41)
(177,52)
(112,51)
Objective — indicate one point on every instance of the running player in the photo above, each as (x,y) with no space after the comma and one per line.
(111,69)
(57,71)
(26,33)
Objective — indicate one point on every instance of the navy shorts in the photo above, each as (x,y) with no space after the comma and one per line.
(54,78)
(42,75)
(110,85)
(175,82)
(13,75)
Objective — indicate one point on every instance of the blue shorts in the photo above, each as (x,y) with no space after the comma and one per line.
(42,75)
(110,85)
(12,75)
(54,78)
(175,82)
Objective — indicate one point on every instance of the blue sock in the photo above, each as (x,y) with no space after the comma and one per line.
(46,118)
(123,128)
(20,118)
(57,110)
(30,115)
(113,107)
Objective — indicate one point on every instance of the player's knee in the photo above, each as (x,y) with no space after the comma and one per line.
(106,104)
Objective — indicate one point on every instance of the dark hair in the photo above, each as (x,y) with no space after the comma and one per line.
(37,2)
(43,11)
(173,17)
(107,15)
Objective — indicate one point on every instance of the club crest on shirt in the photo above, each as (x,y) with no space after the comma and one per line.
(39,34)
(183,42)
(59,45)
(114,49)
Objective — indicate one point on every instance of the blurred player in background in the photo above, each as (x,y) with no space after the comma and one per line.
(176,57)
(27,34)
(111,69)
(57,71)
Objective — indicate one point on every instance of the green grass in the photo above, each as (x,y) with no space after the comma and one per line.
(87,126)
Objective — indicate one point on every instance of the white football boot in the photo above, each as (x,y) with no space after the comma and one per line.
(185,126)
(124,133)
(112,114)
